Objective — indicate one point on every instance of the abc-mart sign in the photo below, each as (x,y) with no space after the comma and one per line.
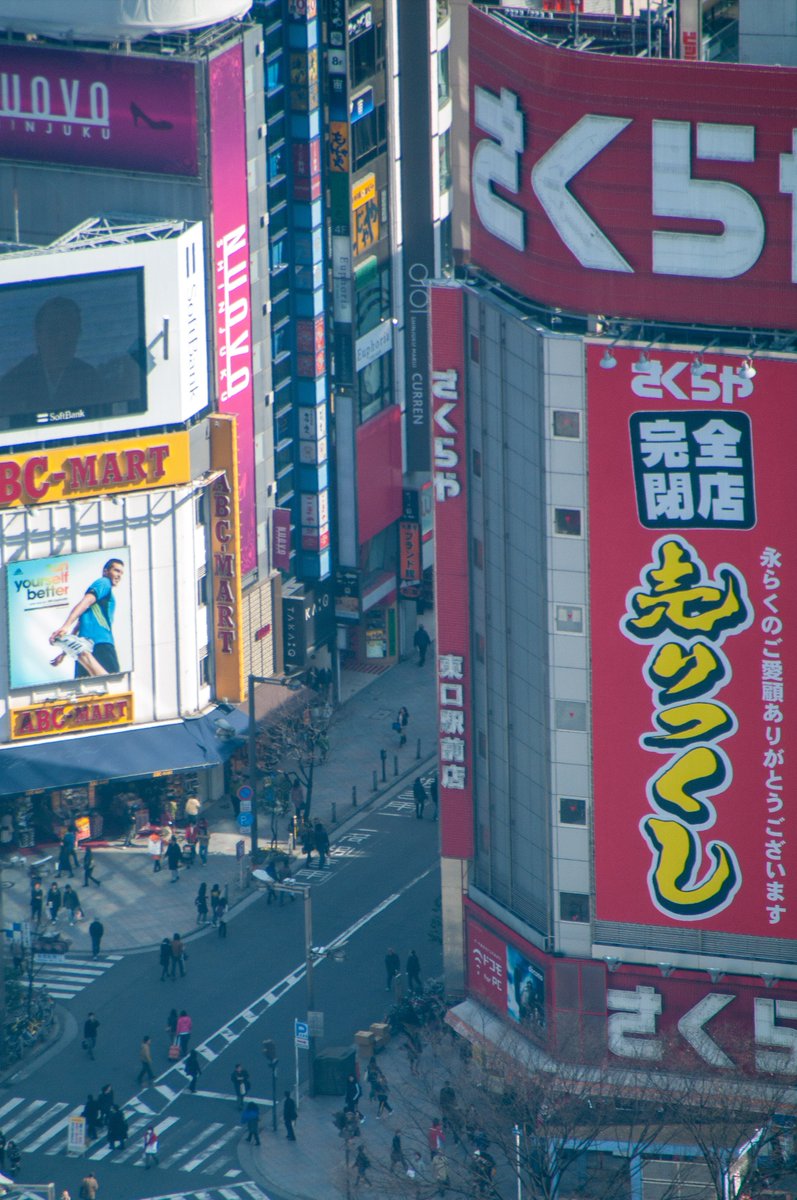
(640,188)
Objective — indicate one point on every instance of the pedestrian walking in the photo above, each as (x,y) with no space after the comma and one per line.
(155,850)
(203,841)
(321,841)
(413,1046)
(240,1084)
(71,903)
(392,967)
(361,1164)
(165,957)
(104,1102)
(54,901)
(382,1092)
(434,797)
(173,859)
(117,1128)
(250,1117)
(372,1075)
(96,931)
(353,1096)
(215,901)
(88,1186)
(450,1110)
(201,903)
(435,1137)
(397,1158)
(178,956)
(36,901)
(145,1059)
(421,642)
(189,845)
(88,868)
(221,909)
(289,1115)
(440,1172)
(413,969)
(91,1115)
(13,1156)
(65,856)
(307,836)
(297,798)
(130,825)
(419,794)
(400,724)
(90,1028)
(193,1070)
(151,1148)
(184,1027)
(171,1025)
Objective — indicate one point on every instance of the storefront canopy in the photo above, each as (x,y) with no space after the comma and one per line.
(206,741)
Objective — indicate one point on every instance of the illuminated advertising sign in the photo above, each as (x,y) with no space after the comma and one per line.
(452,608)
(637,187)
(226,548)
(71,716)
(693,603)
(228,173)
(505,978)
(102,339)
(94,468)
(112,111)
(69,617)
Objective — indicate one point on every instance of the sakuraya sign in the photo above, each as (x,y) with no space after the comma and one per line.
(636,188)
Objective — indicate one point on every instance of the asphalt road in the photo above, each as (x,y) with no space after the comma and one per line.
(379,891)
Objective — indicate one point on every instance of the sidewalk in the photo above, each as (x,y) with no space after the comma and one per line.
(124,902)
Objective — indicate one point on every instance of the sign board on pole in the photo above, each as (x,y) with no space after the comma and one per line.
(246,806)
(315,1022)
(245,792)
(76,1135)
(240,848)
(301,1034)
(244,820)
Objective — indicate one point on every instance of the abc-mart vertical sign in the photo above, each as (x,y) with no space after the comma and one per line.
(640,188)
(454,722)
(693,595)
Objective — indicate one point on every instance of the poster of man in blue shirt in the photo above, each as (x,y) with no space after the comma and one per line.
(87,633)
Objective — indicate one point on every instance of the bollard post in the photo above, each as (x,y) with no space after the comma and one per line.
(375,784)
(395,764)
(383,756)
(418,748)
(334,813)
(354,795)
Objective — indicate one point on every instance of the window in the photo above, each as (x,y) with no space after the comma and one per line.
(199,508)
(478,553)
(474,347)
(477,464)
(571,714)
(204,668)
(362,57)
(368,138)
(443,86)
(566,423)
(202,589)
(569,618)
(567,522)
(572,812)
(573,906)
(444,147)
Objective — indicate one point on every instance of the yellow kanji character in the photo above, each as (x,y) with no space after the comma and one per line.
(698,721)
(682,601)
(683,672)
(675,790)
(677,856)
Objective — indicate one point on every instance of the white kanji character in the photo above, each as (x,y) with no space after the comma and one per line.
(718,441)
(770,557)
(452,721)
(450,666)
(669,496)
(721,496)
(451,693)
(452,749)
(446,485)
(664,441)
(453,777)
(772,669)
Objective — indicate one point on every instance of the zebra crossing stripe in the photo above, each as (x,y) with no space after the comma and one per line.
(137,1126)
(21,1116)
(49,1134)
(34,1125)
(9,1104)
(189,1146)
(217,1145)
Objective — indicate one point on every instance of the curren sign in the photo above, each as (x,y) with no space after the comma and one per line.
(71,716)
(102,467)
(667,198)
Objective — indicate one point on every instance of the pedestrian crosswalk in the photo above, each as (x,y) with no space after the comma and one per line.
(238,1191)
(187,1143)
(65,977)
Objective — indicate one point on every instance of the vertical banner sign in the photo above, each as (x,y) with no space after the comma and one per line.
(693,591)
(451,541)
(233,299)
(226,548)
(281,538)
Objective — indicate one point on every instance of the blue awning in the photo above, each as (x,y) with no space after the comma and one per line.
(191,744)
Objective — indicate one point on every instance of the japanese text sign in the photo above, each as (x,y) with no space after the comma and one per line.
(692,591)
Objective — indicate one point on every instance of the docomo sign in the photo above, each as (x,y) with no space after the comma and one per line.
(71,716)
(639,188)
(451,569)
(99,467)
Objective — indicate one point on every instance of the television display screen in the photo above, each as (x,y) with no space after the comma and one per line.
(72,349)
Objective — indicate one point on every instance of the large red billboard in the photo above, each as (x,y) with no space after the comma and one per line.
(114,111)
(693,584)
(233,300)
(452,608)
(635,187)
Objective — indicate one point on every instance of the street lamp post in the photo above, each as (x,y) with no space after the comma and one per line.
(308,958)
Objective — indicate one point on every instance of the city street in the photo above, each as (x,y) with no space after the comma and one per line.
(378,891)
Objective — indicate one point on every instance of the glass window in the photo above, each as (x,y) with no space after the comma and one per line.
(572,812)
(362,57)
(274,80)
(204,671)
(373,383)
(368,137)
(444,148)
(573,906)
(566,423)
(276,162)
(446,247)
(443,87)
(567,522)
(202,590)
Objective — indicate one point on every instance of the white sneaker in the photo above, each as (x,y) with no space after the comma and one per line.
(74,646)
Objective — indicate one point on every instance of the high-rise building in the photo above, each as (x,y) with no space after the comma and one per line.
(612,374)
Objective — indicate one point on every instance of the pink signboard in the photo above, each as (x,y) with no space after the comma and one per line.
(98,110)
(449,456)
(233,297)
(693,584)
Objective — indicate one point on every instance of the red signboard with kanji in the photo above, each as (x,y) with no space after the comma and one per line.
(693,587)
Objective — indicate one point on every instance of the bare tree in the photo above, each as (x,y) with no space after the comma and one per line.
(293,741)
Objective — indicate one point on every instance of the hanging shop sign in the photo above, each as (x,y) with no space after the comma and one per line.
(71,716)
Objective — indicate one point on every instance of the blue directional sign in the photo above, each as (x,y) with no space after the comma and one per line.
(301,1034)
